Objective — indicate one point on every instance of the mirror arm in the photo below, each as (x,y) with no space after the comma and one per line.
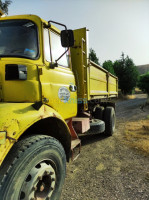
(56,64)
(49,22)
(53,65)
(62,55)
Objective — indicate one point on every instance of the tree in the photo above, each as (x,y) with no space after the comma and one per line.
(93,57)
(108,65)
(4,5)
(127,74)
(143,83)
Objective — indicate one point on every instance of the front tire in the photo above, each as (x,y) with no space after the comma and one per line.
(34,169)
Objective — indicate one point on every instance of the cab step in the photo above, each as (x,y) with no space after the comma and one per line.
(75,148)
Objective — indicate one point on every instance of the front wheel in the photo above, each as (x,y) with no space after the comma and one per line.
(33,170)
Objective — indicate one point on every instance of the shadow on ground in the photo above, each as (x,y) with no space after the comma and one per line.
(89,139)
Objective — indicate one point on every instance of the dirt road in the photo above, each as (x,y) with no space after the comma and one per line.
(108,168)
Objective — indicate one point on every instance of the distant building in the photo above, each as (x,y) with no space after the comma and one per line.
(143,69)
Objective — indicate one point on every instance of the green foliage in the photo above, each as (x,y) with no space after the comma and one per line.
(93,57)
(108,65)
(127,74)
(4,5)
(143,83)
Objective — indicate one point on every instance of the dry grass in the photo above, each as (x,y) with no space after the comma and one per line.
(138,91)
(137,135)
(126,97)
(129,97)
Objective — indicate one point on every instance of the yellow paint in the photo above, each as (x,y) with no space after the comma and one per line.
(79,62)
(17,117)
(18,91)
(2,137)
(52,80)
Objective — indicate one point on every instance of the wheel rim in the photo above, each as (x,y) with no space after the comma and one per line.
(40,182)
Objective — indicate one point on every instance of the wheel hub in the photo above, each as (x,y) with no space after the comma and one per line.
(40,183)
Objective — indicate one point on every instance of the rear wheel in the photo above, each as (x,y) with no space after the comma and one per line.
(33,170)
(98,114)
(110,120)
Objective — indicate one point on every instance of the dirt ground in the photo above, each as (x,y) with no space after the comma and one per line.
(116,167)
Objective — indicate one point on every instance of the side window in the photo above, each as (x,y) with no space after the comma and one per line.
(57,50)
(47,45)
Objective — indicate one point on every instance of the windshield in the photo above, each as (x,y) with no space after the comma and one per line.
(18,38)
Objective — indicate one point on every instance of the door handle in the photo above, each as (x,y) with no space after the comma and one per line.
(72,88)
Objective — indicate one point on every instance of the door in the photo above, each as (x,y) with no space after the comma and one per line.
(58,84)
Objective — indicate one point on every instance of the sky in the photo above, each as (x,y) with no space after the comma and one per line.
(115,26)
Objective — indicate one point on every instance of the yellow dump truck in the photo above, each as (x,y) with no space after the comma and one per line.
(50,92)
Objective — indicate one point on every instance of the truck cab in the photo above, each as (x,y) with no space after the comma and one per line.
(28,49)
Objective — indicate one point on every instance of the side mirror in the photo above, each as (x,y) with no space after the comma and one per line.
(67,38)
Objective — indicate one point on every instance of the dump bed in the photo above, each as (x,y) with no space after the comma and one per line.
(93,82)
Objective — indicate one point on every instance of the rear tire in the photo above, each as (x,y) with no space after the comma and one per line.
(110,120)
(34,168)
(98,114)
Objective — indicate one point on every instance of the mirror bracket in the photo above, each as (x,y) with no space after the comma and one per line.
(46,25)
(53,65)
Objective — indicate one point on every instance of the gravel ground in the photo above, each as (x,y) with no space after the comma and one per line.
(107,168)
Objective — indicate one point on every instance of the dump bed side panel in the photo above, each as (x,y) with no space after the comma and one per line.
(98,81)
(102,83)
(113,86)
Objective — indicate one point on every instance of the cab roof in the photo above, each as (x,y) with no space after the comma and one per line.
(34,18)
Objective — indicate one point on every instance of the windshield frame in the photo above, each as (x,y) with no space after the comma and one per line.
(38,43)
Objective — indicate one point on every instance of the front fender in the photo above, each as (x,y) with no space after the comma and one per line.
(15,118)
